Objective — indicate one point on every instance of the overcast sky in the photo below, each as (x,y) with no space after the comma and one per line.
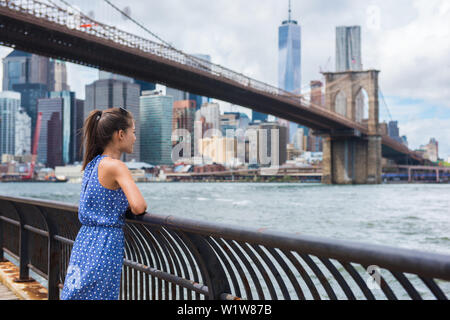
(408,41)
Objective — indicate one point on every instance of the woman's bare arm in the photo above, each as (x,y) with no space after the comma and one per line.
(122,175)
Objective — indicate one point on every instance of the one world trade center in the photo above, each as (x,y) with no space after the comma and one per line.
(289,64)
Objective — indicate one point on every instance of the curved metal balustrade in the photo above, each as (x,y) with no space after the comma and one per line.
(167,257)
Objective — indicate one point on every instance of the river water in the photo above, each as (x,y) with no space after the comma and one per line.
(414,216)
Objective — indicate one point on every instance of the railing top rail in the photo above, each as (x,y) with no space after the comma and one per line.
(405,260)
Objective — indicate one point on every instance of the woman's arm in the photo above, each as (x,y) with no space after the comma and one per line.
(122,175)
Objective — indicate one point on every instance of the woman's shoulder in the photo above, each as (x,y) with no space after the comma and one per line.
(113,165)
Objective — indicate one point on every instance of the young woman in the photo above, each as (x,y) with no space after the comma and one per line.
(107,192)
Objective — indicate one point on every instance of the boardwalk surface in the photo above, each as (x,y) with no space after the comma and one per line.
(6,294)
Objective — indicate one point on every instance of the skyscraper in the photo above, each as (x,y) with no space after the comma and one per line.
(22,138)
(289,63)
(348,48)
(30,93)
(156,128)
(108,93)
(57,74)
(9,106)
(51,125)
(24,67)
(68,123)
(183,118)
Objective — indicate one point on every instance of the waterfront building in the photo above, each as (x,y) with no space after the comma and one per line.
(156,111)
(49,151)
(289,64)
(22,138)
(9,108)
(108,93)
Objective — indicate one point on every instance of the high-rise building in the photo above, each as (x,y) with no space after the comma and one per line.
(289,63)
(156,128)
(51,125)
(24,67)
(30,93)
(177,95)
(67,123)
(9,107)
(348,48)
(57,74)
(55,140)
(183,118)
(22,133)
(78,127)
(431,150)
(108,93)
(233,121)
(211,112)
(394,132)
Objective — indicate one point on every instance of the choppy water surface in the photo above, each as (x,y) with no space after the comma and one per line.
(415,216)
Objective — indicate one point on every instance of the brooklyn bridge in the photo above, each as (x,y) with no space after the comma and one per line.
(353,145)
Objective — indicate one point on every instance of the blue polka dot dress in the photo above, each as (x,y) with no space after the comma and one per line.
(96,260)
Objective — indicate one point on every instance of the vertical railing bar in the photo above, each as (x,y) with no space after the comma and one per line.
(53,256)
(339,278)
(137,275)
(359,281)
(167,253)
(261,270)
(323,280)
(24,258)
(288,272)
(274,271)
(406,284)
(312,288)
(434,288)
(188,255)
(180,260)
(145,253)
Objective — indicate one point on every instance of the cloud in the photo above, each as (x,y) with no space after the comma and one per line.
(414,57)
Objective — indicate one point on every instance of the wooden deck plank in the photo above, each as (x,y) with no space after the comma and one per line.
(6,294)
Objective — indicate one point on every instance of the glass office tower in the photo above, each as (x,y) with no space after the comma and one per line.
(156,128)
(289,63)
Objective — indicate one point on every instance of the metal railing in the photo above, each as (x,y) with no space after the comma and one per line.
(175,258)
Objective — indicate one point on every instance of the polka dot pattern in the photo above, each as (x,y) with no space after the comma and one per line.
(96,260)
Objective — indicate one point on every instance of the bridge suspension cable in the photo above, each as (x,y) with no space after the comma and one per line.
(385,104)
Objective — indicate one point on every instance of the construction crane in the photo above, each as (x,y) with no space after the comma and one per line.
(37,132)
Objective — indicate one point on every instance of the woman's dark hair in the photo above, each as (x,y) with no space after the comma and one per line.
(98,129)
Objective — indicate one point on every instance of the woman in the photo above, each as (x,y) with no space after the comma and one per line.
(107,191)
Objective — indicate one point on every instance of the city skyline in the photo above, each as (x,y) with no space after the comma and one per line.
(421,113)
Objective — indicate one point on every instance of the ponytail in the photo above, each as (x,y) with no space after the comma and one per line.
(99,128)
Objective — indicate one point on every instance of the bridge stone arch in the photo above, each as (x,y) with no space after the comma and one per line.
(348,156)
(362,106)
(351,83)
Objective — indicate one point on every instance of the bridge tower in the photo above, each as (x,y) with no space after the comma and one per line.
(350,157)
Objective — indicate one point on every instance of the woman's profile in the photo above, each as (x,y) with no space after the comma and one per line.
(107,191)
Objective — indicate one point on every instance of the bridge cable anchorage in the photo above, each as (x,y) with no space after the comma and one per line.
(194,59)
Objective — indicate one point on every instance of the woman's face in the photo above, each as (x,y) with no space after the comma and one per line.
(128,139)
